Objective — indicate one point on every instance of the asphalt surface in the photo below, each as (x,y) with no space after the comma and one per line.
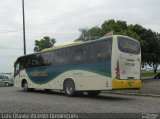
(14,100)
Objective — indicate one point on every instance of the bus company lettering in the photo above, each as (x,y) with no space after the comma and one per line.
(75,73)
(129,64)
(39,74)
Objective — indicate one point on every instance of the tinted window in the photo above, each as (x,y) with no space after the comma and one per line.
(45,59)
(79,54)
(29,61)
(60,57)
(34,60)
(128,46)
(100,50)
(17,68)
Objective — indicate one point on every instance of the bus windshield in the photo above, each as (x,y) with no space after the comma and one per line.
(127,45)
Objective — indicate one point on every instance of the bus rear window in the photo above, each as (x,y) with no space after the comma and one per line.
(127,45)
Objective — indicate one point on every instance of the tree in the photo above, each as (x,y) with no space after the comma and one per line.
(129,33)
(83,34)
(94,33)
(150,43)
(115,26)
(108,26)
(90,34)
(46,42)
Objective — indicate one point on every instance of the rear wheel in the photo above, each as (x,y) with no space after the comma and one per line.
(69,88)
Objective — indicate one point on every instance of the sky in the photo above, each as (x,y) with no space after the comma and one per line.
(62,19)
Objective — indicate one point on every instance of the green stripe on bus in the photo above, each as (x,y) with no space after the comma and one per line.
(50,77)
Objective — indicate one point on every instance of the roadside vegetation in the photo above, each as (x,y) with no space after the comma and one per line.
(148,74)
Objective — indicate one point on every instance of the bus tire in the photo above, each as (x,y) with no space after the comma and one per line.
(6,84)
(93,93)
(25,86)
(69,88)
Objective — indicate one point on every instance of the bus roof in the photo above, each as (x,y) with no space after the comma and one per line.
(61,46)
(73,44)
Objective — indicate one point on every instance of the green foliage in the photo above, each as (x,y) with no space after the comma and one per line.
(94,33)
(46,42)
(115,26)
(118,27)
(148,74)
(129,33)
(150,45)
(83,34)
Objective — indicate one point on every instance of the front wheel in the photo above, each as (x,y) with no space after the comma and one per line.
(25,87)
(69,88)
(6,84)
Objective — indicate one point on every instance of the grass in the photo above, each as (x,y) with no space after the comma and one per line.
(148,73)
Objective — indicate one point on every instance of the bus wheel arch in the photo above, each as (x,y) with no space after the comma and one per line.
(69,87)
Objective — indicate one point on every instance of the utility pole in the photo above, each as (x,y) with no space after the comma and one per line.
(24,34)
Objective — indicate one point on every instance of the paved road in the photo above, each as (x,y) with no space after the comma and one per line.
(14,100)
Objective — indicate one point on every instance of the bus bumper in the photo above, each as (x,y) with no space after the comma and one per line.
(126,84)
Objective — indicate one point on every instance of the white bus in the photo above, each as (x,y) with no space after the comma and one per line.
(109,63)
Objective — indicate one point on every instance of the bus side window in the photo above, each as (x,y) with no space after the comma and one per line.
(40,60)
(45,59)
(100,51)
(28,63)
(34,63)
(21,67)
(59,57)
(79,54)
(66,56)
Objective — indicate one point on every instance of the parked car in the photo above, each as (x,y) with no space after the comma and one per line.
(157,76)
(149,69)
(6,80)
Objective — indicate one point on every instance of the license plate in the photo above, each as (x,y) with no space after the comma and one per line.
(131,83)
